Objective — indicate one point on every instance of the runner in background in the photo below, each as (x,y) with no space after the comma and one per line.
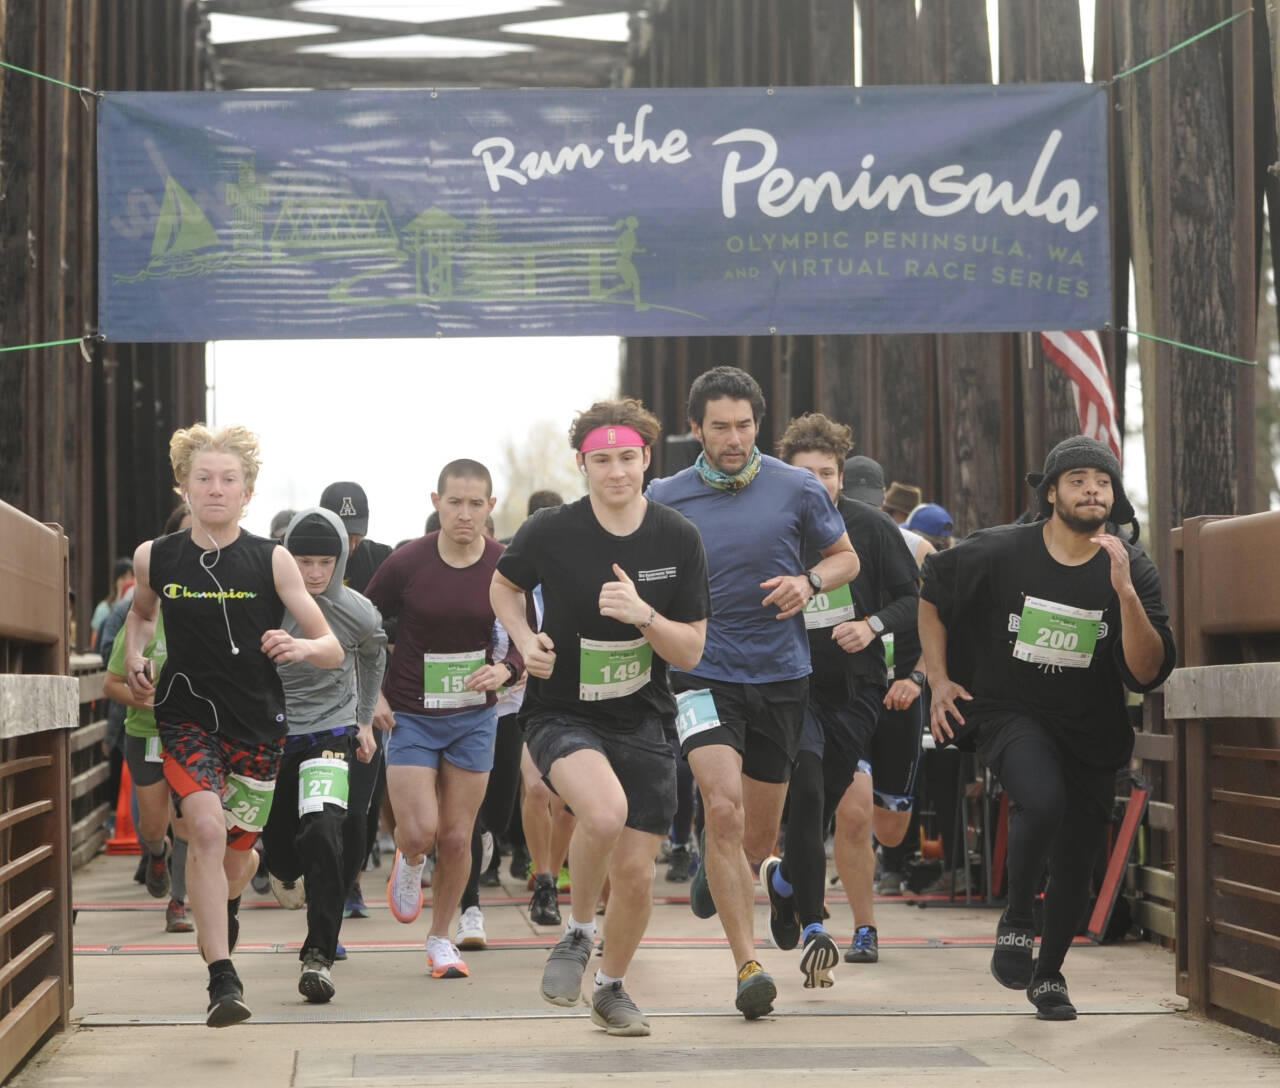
(330,716)
(439,700)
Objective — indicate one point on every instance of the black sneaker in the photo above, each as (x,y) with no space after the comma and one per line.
(562,974)
(226,997)
(519,862)
(756,991)
(261,880)
(784,925)
(156,877)
(701,901)
(820,956)
(544,908)
(613,1010)
(1048,993)
(865,947)
(678,865)
(315,983)
(1011,962)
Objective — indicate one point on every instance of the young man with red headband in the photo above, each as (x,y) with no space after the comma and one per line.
(624,584)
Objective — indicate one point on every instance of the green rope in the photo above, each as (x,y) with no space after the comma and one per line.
(1188,347)
(50,79)
(46,344)
(1181,45)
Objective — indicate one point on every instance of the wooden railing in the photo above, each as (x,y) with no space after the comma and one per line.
(1224,703)
(39,707)
(91,799)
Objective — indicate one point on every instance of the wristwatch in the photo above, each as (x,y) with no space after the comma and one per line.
(917,677)
(515,673)
(815,580)
(876,624)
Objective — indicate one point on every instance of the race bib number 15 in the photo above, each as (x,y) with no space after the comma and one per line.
(444,679)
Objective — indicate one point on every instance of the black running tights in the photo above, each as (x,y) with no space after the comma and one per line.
(804,861)
(1054,814)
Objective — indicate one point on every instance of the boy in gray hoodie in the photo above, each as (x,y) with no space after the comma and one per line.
(330,716)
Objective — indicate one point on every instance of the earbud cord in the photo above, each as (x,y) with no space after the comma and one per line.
(222,593)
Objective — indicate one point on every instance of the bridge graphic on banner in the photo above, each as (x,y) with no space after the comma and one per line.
(451,259)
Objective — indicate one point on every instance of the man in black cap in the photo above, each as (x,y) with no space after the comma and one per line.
(348,500)
(1031,633)
(864,479)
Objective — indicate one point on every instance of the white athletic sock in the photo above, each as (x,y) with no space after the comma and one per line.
(574,926)
(603,980)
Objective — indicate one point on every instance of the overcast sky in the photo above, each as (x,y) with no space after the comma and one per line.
(390,414)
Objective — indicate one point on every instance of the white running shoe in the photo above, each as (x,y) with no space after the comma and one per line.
(443,959)
(471,929)
(404,889)
(290,894)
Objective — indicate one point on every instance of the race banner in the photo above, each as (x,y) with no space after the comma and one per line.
(752,211)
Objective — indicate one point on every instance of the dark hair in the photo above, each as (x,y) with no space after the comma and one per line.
(465,469)
(174,519)
(433,523)
(724,381)
(623,412)
(121,567)
(814,431)
(540,500)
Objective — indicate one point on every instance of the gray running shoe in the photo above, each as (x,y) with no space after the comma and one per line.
(613,1010)
(157,874)
(315,983)
(562,975)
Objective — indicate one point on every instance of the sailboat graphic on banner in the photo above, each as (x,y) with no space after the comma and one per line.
(182,233)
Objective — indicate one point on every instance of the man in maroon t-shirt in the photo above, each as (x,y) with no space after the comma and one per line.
(438,705)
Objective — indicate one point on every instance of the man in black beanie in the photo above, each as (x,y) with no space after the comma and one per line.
(1031,633)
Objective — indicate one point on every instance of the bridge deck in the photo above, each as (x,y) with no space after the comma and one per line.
(928,1009)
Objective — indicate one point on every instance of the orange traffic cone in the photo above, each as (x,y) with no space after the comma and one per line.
(125,840)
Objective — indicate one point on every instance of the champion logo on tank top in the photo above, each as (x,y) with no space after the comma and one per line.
(175,592)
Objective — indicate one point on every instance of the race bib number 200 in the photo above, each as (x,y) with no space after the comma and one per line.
(1056,634)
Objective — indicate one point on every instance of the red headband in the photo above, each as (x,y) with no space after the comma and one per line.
(605,438)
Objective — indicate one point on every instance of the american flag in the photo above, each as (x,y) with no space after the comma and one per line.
(1079,355)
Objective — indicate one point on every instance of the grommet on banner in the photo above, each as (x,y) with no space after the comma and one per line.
(768,90)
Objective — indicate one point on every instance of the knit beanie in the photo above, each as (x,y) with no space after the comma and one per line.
(314,535)
(1080,451)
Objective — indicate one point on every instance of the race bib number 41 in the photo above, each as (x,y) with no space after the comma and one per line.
(829,607)
(695,713)
(1056,634)
(444,678)
(610,670)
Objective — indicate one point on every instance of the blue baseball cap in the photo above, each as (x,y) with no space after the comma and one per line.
(930,518)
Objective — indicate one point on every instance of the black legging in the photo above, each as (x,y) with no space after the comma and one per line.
(804,863)
(366,785)
(1056,813)
(682,822)
(499,798)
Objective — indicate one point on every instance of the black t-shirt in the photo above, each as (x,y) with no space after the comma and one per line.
(886,586)
(567,551)
(980,588)
(364,562)
(210,601)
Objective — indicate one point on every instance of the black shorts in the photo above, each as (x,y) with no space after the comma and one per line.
(1094,788)
(143,770)
(761,722)
(840,731)
(195,760)
(641,759)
